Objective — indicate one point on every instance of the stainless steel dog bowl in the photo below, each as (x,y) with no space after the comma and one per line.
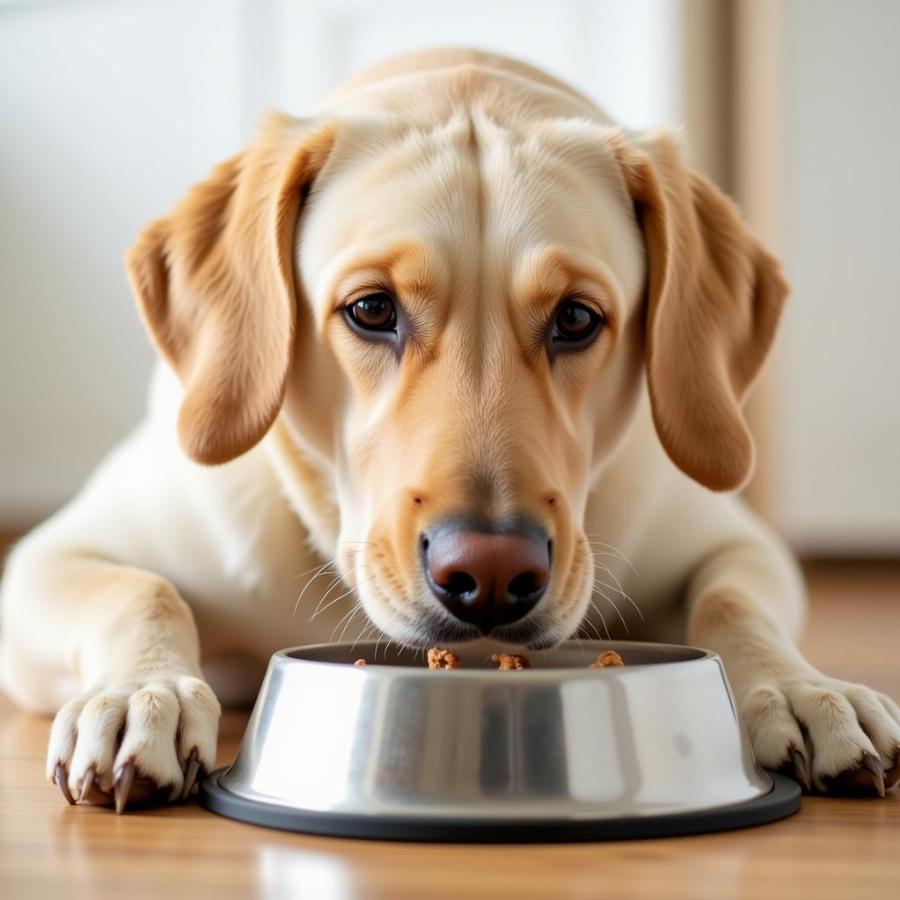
(555,752)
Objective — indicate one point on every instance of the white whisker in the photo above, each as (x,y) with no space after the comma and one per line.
(349,622)
(364,635)
(594,628)
(340,621)
(331,586)
(319,571)
(618,589)
(611,602)
(330,562)
(381,636)
(605,627)
(340,597)
(329,589)
(615,551)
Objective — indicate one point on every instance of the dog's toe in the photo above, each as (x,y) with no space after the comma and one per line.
(775,733)
(198,726)
(835,734)
(99,723)
(61,747)
(149,741)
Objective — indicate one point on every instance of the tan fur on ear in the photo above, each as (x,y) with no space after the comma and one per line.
(714,298)
(215,285)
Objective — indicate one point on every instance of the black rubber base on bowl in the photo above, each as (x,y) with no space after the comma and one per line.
(783,800)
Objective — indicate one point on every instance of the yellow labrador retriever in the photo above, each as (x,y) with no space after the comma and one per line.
(463,342)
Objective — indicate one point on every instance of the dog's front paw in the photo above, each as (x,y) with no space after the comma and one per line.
(832,736)
(138,741)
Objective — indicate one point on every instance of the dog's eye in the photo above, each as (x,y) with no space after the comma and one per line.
(374,312)
(575,325)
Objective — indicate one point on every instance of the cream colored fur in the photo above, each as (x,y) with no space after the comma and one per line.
(483,191)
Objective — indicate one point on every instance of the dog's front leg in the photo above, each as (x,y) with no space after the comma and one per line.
(745,602)
(142,722)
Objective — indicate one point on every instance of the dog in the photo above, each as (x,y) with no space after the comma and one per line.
(460,341)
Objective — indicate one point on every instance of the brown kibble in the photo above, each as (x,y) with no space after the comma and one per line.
(440,658)
(607,659)
(507,661)
(359,662)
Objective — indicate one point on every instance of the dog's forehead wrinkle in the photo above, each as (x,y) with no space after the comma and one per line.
(476,148)
(479,191)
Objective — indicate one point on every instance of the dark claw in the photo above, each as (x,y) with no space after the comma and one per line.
(796,767)
(892,775)
(191,769)
(86,785)
(868,776)
(873,764)
(124,779)
(61,780)
(801,770)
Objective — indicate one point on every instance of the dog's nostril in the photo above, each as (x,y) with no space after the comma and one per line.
(525,584)
(459,584)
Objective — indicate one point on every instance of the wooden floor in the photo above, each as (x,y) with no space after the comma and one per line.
(833,848)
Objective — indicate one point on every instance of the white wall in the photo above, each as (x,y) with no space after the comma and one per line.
(838,374)
(110,110)
(623,54)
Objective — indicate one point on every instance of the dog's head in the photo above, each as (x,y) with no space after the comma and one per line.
(455,322)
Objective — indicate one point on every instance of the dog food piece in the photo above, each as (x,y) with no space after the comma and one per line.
(607,659)
(439,658)
(506,661)
(359,662)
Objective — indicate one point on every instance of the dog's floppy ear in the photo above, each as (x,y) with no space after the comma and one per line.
(214,282)
(714,298)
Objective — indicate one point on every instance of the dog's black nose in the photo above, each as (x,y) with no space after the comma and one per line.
(483,577)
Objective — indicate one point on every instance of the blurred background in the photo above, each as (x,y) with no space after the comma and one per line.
(109,110)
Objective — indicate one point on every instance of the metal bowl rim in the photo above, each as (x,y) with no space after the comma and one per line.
(285,657)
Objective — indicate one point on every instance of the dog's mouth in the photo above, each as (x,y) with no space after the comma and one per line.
(434,628)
